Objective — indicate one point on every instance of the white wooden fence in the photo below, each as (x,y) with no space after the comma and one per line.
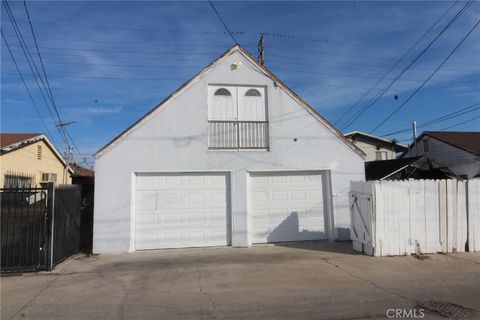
(415,216)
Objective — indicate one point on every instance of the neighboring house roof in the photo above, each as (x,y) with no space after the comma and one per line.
(468,141)
(7,139)
(356,134)
(79,171)
(268,73)
(13,141)
(380,170)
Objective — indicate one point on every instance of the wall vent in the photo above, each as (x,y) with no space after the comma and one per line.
(39,152)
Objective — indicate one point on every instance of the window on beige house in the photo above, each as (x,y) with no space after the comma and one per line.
(381,155)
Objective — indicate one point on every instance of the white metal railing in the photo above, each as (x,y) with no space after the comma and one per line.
(238,135)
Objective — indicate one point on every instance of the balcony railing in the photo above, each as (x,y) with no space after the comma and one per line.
(238,135)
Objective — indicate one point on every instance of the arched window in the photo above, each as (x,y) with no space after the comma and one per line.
(252,93)
(222,92)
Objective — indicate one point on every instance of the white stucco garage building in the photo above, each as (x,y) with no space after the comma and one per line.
(233,157)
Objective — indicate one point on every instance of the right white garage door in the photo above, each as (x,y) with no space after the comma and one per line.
(286,206)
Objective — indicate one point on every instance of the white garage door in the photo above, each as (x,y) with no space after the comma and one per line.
(286,206)
(181,210)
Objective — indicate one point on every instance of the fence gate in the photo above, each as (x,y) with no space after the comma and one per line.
(361,213)
(40,227)
(24,229)
(66,222)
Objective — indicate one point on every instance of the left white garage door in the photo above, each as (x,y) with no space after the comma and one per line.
(181,210)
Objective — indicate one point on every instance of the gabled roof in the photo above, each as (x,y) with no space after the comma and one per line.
(355,134)
(468,141)
(268,73)
(10,142)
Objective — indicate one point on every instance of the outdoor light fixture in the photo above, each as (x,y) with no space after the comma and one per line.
(235,65)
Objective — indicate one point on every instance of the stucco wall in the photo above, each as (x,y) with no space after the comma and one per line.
(174,138)
(457,160)
(24,160)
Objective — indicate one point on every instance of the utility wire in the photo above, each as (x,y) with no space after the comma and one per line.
(46,86)
(174,46)
(446,117)
(223,22)
(183,79)
(280,69)
(177,59)
(386,88)
(426,80)
(460,123)
(26,88)
(271,34)
(396,63)
(29,57)
(62,128)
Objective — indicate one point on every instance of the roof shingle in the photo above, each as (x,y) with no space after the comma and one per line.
(468,141)
(7,139)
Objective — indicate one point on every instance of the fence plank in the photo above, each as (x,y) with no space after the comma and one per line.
(423,216)
(474,215)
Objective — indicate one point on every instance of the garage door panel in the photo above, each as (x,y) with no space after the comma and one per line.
(181,210)
(286,206)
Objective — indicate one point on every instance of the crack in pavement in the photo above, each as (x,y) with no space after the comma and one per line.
(327,260)
(213,306)
(34,297)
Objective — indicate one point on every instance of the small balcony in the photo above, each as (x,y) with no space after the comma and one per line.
(238,135)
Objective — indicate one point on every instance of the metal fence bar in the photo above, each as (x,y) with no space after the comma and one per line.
(23,211)
(238,135)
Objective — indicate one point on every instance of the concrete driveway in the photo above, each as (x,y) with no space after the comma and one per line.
(319,280)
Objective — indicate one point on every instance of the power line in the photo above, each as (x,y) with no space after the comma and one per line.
(39,56)
(154,43)
(275,68)
(460,123)
(314,84)
(334,62)
(29,57)
(426,80)
(386,88)
(446,117)
(62,127)
(395,64)
(223,22)
(28,90)
(129,51)
(273,34)
(46,85)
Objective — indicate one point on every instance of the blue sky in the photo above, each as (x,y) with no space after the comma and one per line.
(110,62)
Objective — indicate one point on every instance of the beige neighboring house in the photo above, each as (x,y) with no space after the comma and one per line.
(376,148)
(29,159)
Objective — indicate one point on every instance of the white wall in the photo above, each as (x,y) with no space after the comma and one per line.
(457,160)
(174,138)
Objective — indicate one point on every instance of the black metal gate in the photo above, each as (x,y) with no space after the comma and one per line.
(40,227)
(66,222)
(24,229)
